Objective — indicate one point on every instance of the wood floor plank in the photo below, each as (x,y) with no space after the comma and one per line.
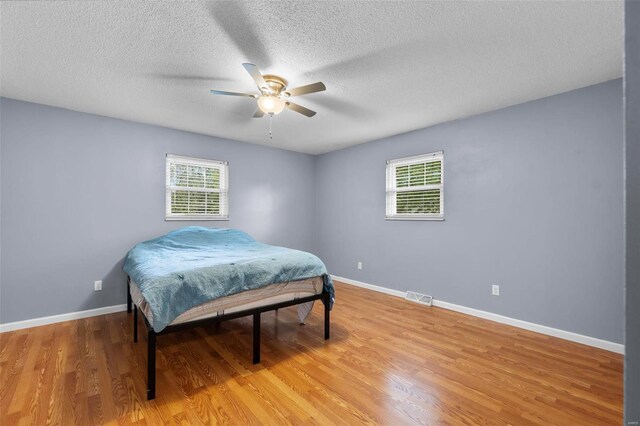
(388,362)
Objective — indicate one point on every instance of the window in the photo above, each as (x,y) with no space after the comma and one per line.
(415,187)
(196,189)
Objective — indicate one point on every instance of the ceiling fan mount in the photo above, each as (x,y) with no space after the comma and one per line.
(275,83)
(274,96)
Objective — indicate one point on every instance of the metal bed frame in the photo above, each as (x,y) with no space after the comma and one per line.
(255,312)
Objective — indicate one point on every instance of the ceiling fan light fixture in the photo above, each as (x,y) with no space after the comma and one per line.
(270,104)
(274,95)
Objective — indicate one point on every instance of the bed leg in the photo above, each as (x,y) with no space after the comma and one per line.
(128,294)
(135,324)
(151,364)
(256,338)
(327,317)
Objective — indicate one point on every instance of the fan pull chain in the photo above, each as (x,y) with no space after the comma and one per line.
(270,125)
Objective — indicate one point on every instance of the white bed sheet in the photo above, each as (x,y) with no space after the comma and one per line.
(274,293)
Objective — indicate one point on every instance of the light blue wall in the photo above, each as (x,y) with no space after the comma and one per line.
(79,190)
(533,202)
(632,152)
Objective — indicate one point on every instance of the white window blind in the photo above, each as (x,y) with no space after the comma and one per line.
(415,187)
(196,189)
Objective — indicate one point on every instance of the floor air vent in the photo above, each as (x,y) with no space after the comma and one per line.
(420,298)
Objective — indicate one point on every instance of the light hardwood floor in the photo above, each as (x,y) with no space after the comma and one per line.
(388,362)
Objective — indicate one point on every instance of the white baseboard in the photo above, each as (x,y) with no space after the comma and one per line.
(543,329)
(385,290)
(35,322)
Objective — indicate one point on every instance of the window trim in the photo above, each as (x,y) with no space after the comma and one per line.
(224,177)
(392,190)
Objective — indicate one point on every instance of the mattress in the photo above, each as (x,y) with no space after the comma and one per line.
(191,266)
(273,293)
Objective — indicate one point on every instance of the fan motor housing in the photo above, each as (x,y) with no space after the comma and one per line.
(276,84)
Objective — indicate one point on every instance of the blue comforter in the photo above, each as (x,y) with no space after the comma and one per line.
(194,265)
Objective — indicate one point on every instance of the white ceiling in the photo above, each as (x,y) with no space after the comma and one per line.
(389,67)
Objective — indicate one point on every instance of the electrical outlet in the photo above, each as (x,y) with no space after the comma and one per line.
(495,290)
(359,265)
(97,285)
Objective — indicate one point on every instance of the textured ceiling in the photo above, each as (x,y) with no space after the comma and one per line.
(388,67)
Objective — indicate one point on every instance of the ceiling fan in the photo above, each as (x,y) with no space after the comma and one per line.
(274,95)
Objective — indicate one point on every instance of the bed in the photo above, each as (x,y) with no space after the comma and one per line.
(198,276)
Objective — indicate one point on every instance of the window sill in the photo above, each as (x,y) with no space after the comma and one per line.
(414,218)
(203,218)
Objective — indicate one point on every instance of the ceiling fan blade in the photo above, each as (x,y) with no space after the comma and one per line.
(222,92)
(305,90)
(257,76)
(300,109)
(259,113)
